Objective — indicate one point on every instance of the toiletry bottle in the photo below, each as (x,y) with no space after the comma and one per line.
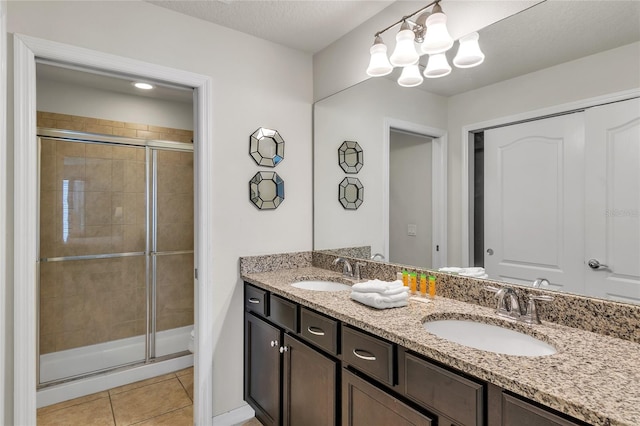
(399,276)
(432,286)
(423,285)
(413,282)
(405,278)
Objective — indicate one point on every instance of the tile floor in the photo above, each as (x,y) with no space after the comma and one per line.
(162,400)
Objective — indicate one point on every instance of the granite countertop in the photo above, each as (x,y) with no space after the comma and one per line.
(592,377)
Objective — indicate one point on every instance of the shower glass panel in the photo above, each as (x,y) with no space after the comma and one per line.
(172,249)
(114,269)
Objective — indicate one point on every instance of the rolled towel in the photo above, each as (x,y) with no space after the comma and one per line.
(454,269)
(382,287)
(472,272)
(378,301)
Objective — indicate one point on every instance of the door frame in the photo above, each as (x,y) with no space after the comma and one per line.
(26,49)
(466,140)
(438,185)
(3,199)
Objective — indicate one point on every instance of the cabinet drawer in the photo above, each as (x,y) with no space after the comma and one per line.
(283,313)
(319,330)
(444,391)
(255,300)
(368,354)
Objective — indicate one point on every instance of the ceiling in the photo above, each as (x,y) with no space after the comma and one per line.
(306,25)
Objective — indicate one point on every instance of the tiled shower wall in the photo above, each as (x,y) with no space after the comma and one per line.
(93,202)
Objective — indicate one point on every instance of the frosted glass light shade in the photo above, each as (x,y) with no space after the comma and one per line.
(410,76)
(438,66)
(469,53)
(405,52)
(379,64)
(437,38)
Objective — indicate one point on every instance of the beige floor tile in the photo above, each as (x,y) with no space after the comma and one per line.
(88,398)
(187,383)
(185,371)
(149,401)
(95,413)
(141,383)
(252,422)
(181,417)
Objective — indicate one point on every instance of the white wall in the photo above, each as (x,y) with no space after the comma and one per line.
(65,98)
(358,114)
(255,83)
(607,72)
(410,181)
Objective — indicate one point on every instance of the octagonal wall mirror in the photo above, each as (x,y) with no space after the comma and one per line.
(350,157)
(351,193)
(266,147)
(266,190)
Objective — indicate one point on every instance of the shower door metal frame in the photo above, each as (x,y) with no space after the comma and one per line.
(150,253)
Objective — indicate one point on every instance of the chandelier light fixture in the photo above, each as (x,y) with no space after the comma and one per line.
(427,34)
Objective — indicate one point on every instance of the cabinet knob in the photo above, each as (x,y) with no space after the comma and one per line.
(274,343)
(283,349)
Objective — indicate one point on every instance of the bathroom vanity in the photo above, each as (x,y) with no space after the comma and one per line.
(346,363)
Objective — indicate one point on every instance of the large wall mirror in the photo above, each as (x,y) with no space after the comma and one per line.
(555,55)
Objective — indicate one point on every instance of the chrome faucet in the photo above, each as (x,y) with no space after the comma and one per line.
(377,256)
(509,306)
(357,270)
(346,267)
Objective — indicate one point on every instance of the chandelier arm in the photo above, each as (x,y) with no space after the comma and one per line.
(404,18)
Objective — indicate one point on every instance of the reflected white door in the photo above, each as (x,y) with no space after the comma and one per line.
(533,190)
(613,201)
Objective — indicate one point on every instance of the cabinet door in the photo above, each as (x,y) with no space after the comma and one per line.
(516,412)
(262,369)
(365,405)
(309,385)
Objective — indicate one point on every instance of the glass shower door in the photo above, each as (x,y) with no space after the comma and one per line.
(93,285)
(172,251)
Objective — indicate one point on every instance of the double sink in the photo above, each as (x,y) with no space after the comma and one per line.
(472,332)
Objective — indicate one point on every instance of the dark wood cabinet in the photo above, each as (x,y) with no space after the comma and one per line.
(364,404)
(262,368)
(309,385)
(518,412)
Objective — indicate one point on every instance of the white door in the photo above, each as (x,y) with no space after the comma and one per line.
(613,201)
(533,208)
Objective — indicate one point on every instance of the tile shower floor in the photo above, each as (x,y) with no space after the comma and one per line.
(163,400)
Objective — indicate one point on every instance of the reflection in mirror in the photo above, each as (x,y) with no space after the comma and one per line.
(527,77)
(350,157)
(351,193)
(266,147)
(266,190)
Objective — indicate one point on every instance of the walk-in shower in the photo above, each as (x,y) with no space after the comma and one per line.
(116,253)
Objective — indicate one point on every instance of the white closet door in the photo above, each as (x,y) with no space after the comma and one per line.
(534,202)
(613,201)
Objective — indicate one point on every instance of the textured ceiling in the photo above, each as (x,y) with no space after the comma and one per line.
(306,25)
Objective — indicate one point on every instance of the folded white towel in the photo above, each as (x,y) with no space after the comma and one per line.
(378,301)
(450,269)
(382,287)
(472,272)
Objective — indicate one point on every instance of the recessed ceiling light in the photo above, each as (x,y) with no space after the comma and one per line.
(143,86)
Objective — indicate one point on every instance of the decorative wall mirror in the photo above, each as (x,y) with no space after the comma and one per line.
(266,190)
(350,157)
(266,147)
(350,193)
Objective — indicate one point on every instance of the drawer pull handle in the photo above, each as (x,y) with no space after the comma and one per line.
(315,330)
(254,300)
(369,357)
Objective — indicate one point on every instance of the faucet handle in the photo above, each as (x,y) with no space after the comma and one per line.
(531,316)
(357,270)
(492,289)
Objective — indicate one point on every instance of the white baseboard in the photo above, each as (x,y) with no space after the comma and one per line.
(234,417)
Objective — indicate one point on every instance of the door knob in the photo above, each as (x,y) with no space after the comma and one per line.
(594,264)
(490,252)
(274,343)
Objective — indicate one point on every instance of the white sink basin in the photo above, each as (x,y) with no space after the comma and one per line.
(489,337)
(321,285)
